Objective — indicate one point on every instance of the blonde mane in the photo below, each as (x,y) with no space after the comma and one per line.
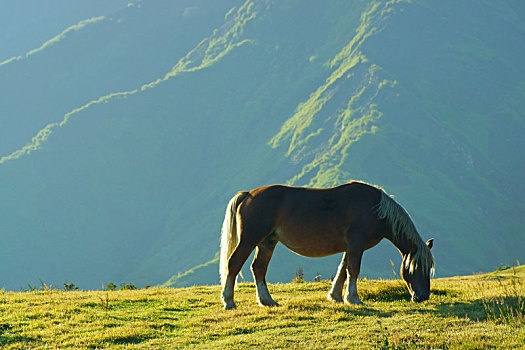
(404,230)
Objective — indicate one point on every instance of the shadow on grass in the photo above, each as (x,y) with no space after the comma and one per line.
(475,310)
(176,309)
(166,326)
(501,310)
(509,309)
(388,293)
(398,292)
(394,291)
(242,330)
(7,338)
(363,310)
(129,339)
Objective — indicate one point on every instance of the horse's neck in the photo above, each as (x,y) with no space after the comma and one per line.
(400,242)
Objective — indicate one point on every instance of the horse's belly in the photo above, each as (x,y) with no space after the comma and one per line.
(313,246)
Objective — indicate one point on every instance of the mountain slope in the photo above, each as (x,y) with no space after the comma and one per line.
(110,177)
(123,141)
(26,24)
(440,154)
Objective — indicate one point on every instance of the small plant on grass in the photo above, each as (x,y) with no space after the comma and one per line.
(393,268)
(44,287)
(70,286)
(317,277)
(123,286)
(111,286)
(126,286)
(502,267)
(399,283)
(104,302)
(299,275)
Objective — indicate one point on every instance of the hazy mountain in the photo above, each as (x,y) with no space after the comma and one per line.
(26,24)
(124,134)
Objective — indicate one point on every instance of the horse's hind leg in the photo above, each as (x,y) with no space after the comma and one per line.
(336,293)
(237,259)
(353,266)
(263,254)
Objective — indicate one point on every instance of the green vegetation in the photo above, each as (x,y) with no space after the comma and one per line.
(343,62)
(55,39)
(62,35)
(174,279)
(216,46)
(356,116)
(459,315)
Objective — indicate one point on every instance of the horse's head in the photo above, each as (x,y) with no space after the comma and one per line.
(416,269)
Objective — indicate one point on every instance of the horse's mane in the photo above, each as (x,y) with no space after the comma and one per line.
(404,230)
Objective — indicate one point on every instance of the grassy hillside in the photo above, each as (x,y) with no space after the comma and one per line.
(124,135)
(471,312)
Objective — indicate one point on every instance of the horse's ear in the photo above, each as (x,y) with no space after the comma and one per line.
(430,243)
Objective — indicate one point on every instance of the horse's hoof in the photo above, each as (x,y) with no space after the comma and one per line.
(270,303)
(334,299)
(229,305)
(355,301)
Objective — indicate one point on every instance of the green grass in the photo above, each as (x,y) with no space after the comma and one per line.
(459,315)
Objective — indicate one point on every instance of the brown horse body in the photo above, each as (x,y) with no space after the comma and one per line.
(319,222)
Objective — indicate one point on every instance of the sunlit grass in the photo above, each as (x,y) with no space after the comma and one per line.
(458,315)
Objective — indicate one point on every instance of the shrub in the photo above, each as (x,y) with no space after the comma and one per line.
(124,286)
(299,275)
(70,286)
(111,286)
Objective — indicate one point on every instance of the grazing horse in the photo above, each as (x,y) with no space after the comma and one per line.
(313,222)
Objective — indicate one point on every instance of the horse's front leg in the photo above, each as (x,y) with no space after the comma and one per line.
(352,269)
(336,293)
(263,254)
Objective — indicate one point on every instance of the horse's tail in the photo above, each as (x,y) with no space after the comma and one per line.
(229,235)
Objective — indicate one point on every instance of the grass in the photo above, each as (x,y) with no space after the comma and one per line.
(459,315)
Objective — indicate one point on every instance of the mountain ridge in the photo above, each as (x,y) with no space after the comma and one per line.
(134,188)
(180,67)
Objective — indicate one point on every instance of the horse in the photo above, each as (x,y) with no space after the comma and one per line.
(317,222)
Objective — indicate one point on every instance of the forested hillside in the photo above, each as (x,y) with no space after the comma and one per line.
(124,134)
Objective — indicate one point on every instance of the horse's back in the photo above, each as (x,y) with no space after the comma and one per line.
(306,200)
(310,221)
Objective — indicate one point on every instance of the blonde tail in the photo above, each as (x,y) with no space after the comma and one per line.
(229,236)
